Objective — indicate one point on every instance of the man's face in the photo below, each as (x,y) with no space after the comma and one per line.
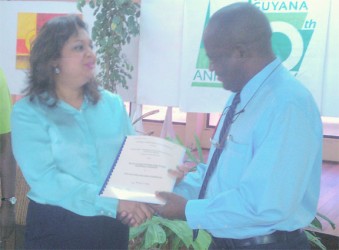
(225,61)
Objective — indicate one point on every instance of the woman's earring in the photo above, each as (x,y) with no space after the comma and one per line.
(57,70)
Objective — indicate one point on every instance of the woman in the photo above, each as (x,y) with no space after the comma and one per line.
(66,134)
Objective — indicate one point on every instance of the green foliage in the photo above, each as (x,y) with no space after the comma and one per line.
(199,158)
(162,233)
(317,225)
(115,25)
(314,240)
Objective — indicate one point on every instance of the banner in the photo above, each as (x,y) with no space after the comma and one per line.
(330,101)
(200,91)
(300,32)
(299,40)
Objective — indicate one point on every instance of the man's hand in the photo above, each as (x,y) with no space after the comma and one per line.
(7,220)
(174,207)
(181,171)
(133,213)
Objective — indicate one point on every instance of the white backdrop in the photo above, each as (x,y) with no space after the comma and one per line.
(160,52)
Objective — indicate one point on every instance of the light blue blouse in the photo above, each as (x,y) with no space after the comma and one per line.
(65,154)
(268,176)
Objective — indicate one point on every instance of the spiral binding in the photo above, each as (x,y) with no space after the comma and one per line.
(112,168)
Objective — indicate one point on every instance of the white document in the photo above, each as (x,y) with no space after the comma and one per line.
(141,169)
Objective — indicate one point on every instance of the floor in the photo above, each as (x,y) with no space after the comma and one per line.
(329,196)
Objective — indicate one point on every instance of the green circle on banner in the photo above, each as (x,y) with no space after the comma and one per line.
(282,45)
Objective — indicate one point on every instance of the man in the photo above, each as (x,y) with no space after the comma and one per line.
(265,184)
(7,163)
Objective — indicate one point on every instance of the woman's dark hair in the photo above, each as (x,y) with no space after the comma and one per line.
(46,49)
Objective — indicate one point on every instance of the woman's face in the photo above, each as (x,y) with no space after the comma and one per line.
(77,61)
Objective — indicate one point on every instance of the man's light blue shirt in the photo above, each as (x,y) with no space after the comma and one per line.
(268,175)
(65,154)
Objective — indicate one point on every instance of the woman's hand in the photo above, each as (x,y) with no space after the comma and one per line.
(133,213)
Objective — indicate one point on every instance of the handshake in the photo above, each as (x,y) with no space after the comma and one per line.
(134,213)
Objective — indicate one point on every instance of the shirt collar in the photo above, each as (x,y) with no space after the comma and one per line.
(256,82)
(65,106)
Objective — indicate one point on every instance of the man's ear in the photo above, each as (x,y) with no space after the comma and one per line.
(242,50)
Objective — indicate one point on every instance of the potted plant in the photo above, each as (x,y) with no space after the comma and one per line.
(116,22)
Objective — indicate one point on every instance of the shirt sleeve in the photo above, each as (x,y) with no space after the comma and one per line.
(5,105)
(274,183)
(48,183)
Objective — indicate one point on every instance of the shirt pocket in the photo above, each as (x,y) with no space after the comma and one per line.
(232,163)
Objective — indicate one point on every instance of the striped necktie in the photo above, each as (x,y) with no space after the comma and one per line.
(219,148)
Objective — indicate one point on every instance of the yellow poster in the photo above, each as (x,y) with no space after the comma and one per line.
(29,25)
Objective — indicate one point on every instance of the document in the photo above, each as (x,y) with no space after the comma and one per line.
(141,169)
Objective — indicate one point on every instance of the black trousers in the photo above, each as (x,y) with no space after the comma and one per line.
(52,227)
(295,241)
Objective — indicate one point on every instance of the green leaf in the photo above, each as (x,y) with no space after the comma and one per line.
(316,223)
(327,219)
(80,4)
(203,240)
(98,2)
(189,154)
(181,230)
(154,235)
(314,240)
(198,144)
(137,14)
(91,4)
(130,11)
(136,231)
(162,233)
(116,20)
(175,243)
